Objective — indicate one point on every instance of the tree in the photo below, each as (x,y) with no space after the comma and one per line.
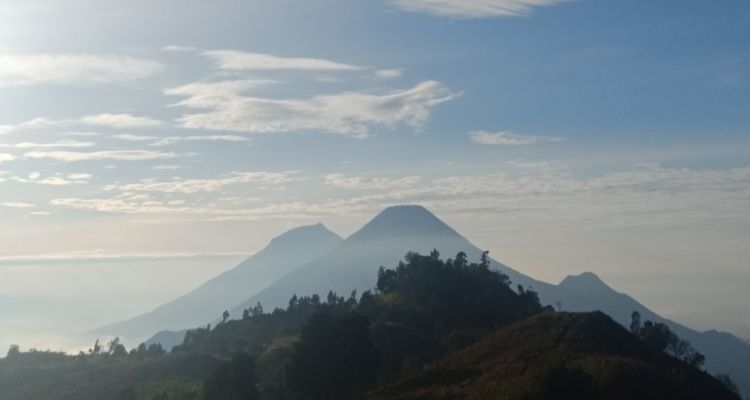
(13,351)
(656,335)
(233,380)
(635,323)
(727,381)
(455,294)
(155,350)
(660,337)
(97,349)
(334,358)
(224,316)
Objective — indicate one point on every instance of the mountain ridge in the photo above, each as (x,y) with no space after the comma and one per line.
(284,253)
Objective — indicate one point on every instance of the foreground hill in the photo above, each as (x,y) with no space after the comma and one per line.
(284,254)
(559,356)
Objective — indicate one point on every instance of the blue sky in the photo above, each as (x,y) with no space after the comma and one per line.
(143,139)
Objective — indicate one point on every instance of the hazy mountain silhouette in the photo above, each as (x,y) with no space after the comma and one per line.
(353,264)
(284,254)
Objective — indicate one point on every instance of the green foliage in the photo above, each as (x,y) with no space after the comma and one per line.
(660,337)
(727,381)
(13,351)
(563,382)
(334,358)
(233,380)
(635,323)
(556,356)
(456,293)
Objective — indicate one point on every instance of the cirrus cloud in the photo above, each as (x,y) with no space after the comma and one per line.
(243,61)
(118,155)
(473,8)
(73,69)
(508,138)
(120,121)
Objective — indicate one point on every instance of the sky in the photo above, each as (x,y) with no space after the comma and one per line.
(147,146)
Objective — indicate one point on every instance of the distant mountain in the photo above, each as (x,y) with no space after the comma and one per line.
(353,264)
(560,356)
(284,254)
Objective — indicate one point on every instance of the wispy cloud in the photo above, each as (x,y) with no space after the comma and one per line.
(389,73)
(109,120)
(53,145)
(508,138)
(167,167)
(348,113)
(165,141)
(119,155)
(135,138)
(177,48)
(17,205)
(102,256)
(186,186)
(5,157)
(473,8)
(242,61)
(358,182)
(57,180)
(120,121)
(73,69)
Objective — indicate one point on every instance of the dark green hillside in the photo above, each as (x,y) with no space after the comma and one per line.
(103,377)
(559,356)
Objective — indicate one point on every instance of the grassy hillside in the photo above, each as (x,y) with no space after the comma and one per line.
(557,356)
(177,376)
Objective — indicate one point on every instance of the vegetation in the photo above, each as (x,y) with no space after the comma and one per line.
(660,337)
(557,355)
(432,328)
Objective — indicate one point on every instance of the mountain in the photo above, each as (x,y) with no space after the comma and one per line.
(353,265)
(284,254)
(558,356)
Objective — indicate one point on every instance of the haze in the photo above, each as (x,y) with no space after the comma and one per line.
(144,147)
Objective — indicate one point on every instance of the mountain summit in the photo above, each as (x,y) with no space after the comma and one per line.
(403,221)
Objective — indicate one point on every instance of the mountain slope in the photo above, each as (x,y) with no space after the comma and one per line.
(284,254)
(556,356)
(383,241)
